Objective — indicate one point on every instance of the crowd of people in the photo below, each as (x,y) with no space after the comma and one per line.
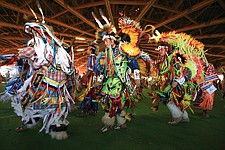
(47,81)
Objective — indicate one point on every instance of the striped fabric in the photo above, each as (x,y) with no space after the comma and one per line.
(27,52)
(210,76)
(56,76)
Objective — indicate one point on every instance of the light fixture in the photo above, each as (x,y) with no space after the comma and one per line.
(80,49)
(80,38)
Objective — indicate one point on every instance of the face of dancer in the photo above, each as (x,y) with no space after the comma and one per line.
(109,42)
(163,50)
(89,50)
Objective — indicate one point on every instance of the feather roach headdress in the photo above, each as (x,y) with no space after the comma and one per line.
(105,31)
(185,43)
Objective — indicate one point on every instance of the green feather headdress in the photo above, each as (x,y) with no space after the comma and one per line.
(185,43)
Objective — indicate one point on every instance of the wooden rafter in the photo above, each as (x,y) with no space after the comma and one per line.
(17,18)
(12,38)
(108,7)
(152,55)
(73,36)
(13,43)
(186,12)
(206,24)
(20,32)
(174,11)
(210,36)
(22,38)
(127,2)
(76,13)
(49,7)
(93,4)
(222,3)
(152,51)
(4,24)
(219,53)
(145,9)
(15,8)
(9,49)
(21,27)
(26,3)
(220,41)
(59,14)
(215,45)
(154,22)
(215,55)
(80,58)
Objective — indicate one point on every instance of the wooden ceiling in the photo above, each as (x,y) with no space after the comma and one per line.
(70,19)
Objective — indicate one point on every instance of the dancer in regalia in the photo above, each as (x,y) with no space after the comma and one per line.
(180,73)
(89,104)
(119,55)
(208,89)
(44,95)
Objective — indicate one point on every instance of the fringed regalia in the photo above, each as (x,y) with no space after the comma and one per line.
(208,88)
(119,87)
(180,73)
(115,91)
(44,94)
(16,81)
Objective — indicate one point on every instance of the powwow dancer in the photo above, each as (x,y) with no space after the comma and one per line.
(208,89)
(139,62)
(44,94)
(16,82)
(89,104)
(117,91)
(22,73)
(180,68)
